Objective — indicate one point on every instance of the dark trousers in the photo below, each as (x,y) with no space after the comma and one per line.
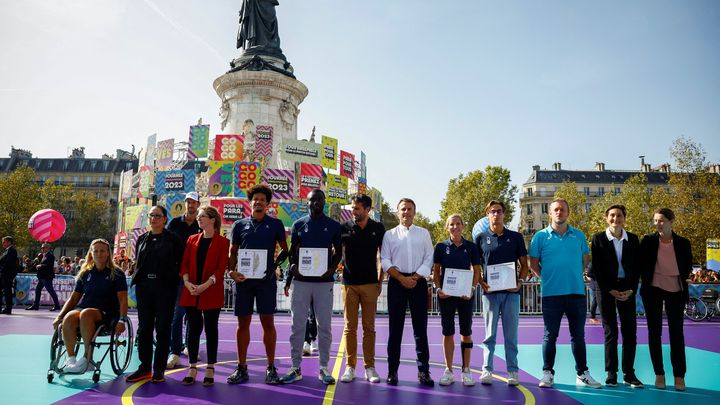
(48,284)
(653,299)
(155,304)
(398,299)
(553,308)
(594,298)
(6,284)
(609,309)
(176,330)
(196,319)
(311,326)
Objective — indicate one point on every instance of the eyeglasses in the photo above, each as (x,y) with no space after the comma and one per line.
(156,216)
(496,212)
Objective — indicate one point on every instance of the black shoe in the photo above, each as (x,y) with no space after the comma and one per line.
(6,311)
(138,375)
(209,381)
(392,378)
(31,308)
(611,380)
(424,379)
(55,308)
(158,377)
(271,376)
(632,381)
(240,375)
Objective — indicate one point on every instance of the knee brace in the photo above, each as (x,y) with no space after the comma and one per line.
(465,346)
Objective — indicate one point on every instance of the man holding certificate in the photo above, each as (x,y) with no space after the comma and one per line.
(406,256)
(315,253)
(502,250)
(252,265)
(456,272)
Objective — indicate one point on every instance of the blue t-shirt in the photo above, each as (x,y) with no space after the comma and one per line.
(508,247)
(447,255)
(248,233)
(561,260)
(323,232)
(100,291)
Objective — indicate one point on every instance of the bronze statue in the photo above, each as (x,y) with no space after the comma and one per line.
(258,33)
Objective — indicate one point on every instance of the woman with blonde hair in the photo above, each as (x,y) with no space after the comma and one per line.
(103,290)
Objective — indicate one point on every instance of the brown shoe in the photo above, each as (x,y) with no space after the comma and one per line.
(679,384)
(660,382)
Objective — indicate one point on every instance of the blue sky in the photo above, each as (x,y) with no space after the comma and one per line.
(427,89)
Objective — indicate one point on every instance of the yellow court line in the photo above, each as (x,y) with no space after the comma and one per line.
(330,391)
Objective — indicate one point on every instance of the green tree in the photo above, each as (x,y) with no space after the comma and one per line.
(468,194)
(388,216)
(636,199)
(19,199)
(576,202)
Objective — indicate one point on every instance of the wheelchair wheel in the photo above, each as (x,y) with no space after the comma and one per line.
(58,353)
(695,309)
(121,348)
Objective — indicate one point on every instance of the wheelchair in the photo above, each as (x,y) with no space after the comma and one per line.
(706,306)
(119,347)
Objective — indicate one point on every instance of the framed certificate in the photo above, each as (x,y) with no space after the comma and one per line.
(501,276)
(458,282)
(313,262)
(252,263)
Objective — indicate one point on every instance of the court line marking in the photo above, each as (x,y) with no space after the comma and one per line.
(330,391)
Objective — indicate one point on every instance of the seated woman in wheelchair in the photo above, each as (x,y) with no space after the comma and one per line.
(101,289)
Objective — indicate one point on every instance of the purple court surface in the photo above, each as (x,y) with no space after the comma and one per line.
(25,342)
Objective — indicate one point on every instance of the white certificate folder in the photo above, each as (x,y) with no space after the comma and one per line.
(501,276)
(458,282)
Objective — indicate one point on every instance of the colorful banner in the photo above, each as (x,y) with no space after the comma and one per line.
(337,189)
(347,164)
(126,184)
(136,217)
(362,186)
(301,151)
(281,182)
(198,139)
(713,254)
(220,178)
(164,157)
(248,175)
(263,142)
(146,173)
(291,212)
(175,204)
(329,153)
(228,148)
(150,150)
(363,165)
(376,199)
(310,178)
(345,215)
(174,181)
(231,209)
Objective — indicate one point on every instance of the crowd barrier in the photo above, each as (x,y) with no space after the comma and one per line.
(530,298)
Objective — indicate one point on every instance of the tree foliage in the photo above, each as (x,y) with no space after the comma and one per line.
(19,199)
(637,202)
(468,194)
(578,218)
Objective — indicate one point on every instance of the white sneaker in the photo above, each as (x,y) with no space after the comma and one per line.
(447,377)
(185,350)
(173,361)
(513,378)
(486,377)
(306,349)
(467,378)
(547,379)
(79,367)
(585,380)
(69,362)
(372,375)
(313,346)
(349,375)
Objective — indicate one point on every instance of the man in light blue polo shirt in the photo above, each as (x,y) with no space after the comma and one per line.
(558,255)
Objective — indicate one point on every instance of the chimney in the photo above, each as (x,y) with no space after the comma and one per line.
(600,166)
(536,168)
(557,166)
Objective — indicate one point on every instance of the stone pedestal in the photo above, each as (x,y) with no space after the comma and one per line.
(265,97)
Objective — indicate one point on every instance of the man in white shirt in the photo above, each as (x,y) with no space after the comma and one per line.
(407,257)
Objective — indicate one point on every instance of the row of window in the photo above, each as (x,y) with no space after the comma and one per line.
(88,181)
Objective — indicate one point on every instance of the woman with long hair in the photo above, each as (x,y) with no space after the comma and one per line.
(203,267)
(103,290)
(667,263)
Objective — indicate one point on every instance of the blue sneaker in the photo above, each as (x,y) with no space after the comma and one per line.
(292,376)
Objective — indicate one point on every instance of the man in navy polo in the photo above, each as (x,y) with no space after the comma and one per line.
(314,255)
(253,237)
(558,256)
(500,245)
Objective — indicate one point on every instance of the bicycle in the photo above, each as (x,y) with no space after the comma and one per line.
(705,307)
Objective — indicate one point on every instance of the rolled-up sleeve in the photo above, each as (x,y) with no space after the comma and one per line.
(427,255)
(386,252)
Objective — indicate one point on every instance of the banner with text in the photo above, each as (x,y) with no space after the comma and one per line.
(329,153)
(146,177)
(347,164)
(301,151)
(263,142)
(281,182)
(310,178)
(228,148)
(363,165)
(231,209)
(248,174)
(164,152)
(175,204)
(174,181)
(337,189)
(220,178)
(198,139)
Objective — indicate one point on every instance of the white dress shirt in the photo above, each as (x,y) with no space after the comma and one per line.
(618,244)
(410,250)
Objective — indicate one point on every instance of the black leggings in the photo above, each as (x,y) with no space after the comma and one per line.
(196,318)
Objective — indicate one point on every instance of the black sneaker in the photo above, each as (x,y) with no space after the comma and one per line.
(425,379)
(632,381)
(271,376)
(240,375)
(55,308)
(139,375)
(611,380)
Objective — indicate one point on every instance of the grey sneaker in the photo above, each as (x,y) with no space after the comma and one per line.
(173,361)
(467,378)
(325,376)
(372,375)
(349,375)
(513,378)
(585,380)
(447,377)
(293,375)
(486,377)
(547,379)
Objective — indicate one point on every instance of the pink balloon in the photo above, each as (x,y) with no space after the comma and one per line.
(46,225)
